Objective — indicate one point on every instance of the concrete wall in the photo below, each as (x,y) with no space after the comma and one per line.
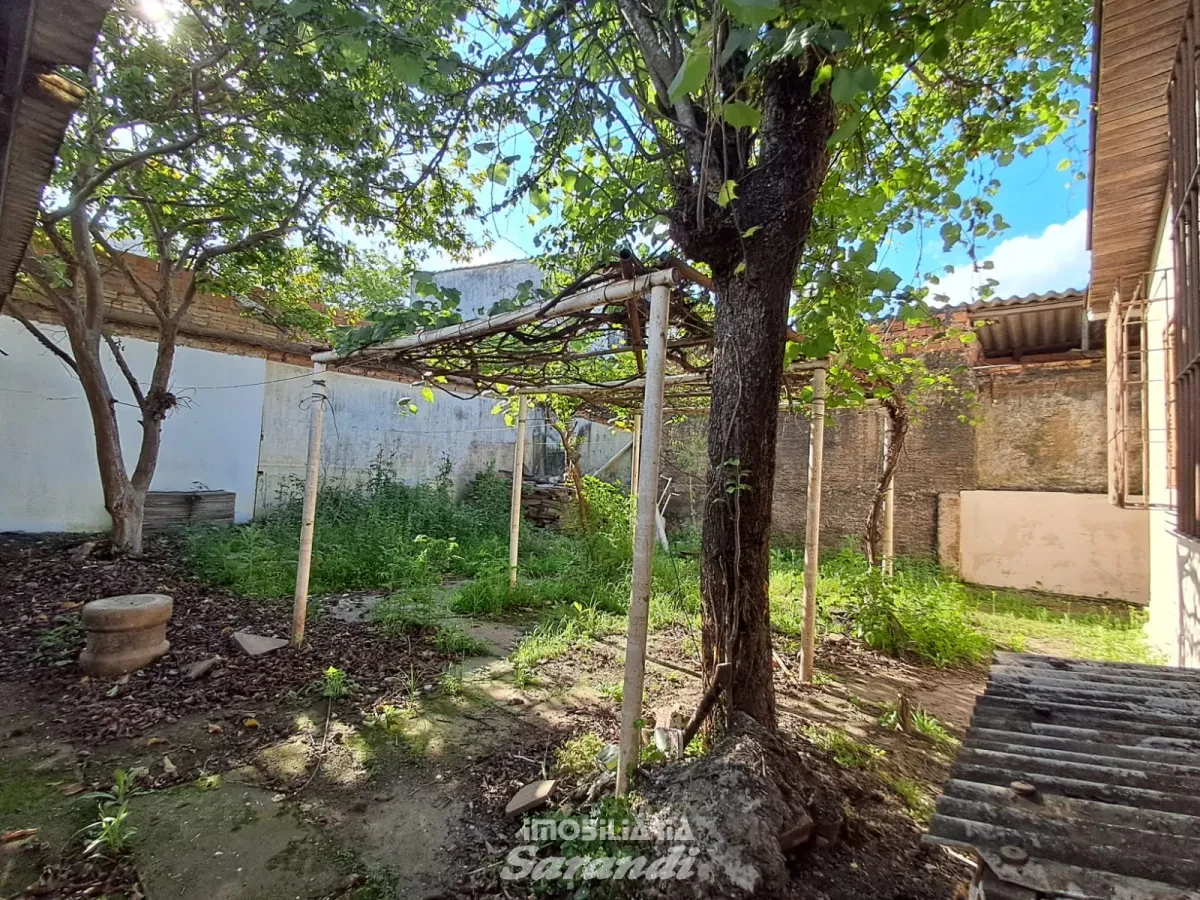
(1174,626)
(1053,541)
(482,286)
(49,480)
(368,421)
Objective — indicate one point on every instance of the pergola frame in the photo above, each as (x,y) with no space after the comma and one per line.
(648,394)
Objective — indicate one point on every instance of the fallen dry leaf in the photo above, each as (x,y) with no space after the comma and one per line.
(169,768)
(214,729)
(72,789)
(154,740)
(251,723)
(19,835)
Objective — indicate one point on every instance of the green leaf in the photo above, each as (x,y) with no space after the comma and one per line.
(540,199)
(427,393)
(951,234)
(741,115)
(846,129)
(692,74)
(824,73)
(739,268)
(1064,165)
(485,147)
(740,39)
(727,194)
(751,231)
(752,12)
(844,87)
(407,69)
(498,172)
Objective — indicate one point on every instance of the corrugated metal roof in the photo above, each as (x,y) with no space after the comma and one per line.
(1036,323)
(36,105)
(1081,779)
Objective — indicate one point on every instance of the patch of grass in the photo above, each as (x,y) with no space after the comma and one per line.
(577,756)
(612,690)
(578,625)
(923,723)
(1063,626)
(377,534)
(912,794)
(845,750)
(404,611)
(452,640)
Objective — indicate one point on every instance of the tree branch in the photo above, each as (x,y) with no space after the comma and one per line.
(15,312)
(89,187)
(118,259)
(115,346)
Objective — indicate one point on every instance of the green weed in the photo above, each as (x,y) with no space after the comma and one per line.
(377,534)
(845,750)
(334,684)
(453,641)
(577,756)
(923,723)
(915,798)
(1063,626)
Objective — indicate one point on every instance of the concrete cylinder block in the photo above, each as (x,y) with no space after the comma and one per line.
(125,634)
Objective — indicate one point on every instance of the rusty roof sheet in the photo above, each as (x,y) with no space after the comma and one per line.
(36,36)
(1082,779)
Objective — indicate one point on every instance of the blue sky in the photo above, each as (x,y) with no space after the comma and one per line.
(1043,250)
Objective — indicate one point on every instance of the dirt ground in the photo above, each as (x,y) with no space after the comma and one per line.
(250,784)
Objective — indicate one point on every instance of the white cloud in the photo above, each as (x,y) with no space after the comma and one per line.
(1055,260)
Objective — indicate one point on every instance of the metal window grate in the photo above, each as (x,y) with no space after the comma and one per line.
(1183,96)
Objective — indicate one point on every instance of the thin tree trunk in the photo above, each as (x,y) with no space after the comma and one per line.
(897,425)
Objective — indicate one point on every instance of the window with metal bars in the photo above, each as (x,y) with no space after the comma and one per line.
(1183,97)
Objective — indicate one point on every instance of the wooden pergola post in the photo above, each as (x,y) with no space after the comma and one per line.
(643,535)
(889,503)
(812,531)
(518,477)
(308,516)
(635,462)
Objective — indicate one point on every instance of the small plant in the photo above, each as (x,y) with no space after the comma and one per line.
(845,750)
(452,681)
(122,789)
(113,833)
(334,684)
(61,641)
(612,690)
(922,722)
(823,679)
(453,641)
(577,756)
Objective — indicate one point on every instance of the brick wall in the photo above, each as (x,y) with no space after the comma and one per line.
(1043,429)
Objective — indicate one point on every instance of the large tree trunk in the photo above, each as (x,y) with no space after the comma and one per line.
(735,549)
(754,278)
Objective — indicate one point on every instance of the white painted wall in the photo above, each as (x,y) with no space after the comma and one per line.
(1076,544)
(48,478)
(368,418)
(1174,626)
